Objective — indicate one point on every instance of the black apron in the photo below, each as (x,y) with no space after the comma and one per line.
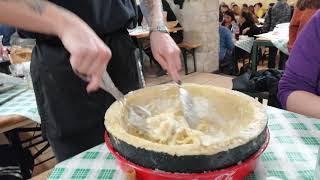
(72,119)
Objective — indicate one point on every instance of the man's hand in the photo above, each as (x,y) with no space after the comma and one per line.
(164,49)
(89,55)
(167,53)
(4,53)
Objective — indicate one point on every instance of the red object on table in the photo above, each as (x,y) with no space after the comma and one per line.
(237,172)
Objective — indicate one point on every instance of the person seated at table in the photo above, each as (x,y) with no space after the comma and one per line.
(299,88)
(236,10)
(224,8)
(258,10)
(226,46)
(229,19)
(247,28)
(245,8)
(280,13)
(251,9)
(305,9)
(247,25)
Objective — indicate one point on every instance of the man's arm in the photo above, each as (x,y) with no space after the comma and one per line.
(164,49)
(88,54)
(152,11)
(32,15)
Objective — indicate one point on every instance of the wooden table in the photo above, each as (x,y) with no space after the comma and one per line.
(139,37)
(43,175)
(11,122)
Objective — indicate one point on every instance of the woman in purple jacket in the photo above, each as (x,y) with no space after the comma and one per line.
(299,89)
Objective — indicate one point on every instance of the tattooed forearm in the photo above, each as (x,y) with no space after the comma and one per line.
(37,6)
(152,11)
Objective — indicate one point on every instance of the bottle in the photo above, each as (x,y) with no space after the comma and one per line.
(235,30)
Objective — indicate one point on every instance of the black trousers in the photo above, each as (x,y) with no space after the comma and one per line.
(73,120)
(273,51)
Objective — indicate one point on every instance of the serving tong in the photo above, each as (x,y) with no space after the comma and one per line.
(139,114)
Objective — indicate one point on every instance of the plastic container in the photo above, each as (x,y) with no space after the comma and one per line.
(237,172)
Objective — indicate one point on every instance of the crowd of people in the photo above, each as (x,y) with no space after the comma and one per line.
(299,88)
(247,21)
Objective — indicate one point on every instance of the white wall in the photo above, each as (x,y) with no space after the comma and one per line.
(199,19)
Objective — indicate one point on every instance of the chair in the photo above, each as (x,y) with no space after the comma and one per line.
(189,48)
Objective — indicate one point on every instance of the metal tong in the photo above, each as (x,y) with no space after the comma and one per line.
(137,114)
(187,105)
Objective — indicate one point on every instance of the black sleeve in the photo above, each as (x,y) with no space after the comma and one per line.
(140,16)
(254,30)
(166,7)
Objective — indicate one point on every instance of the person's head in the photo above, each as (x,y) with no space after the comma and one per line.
(224,8)
(246,18)
(251,9)
(222,3)
(257,6)
(308,4)
(245,6)
(271,5)
(228,17)
(236,9)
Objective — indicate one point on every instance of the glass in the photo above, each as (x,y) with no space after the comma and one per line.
(22,68)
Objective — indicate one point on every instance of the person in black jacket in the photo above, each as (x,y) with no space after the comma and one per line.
(247,25)
(247,28)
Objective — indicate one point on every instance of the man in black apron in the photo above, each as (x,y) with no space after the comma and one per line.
(72,119)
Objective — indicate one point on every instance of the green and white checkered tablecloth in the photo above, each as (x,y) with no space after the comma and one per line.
(22,102)
(291,154)
(8,95)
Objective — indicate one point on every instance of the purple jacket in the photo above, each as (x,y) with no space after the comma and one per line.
(303,68)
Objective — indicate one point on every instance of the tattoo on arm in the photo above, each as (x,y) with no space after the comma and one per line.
(152,11)
(37,6)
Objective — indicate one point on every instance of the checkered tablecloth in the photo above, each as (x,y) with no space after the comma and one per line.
(8,95)
(22,102)
(291,154)
(245,44)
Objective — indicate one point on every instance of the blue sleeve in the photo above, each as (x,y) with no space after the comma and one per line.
(229,42)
